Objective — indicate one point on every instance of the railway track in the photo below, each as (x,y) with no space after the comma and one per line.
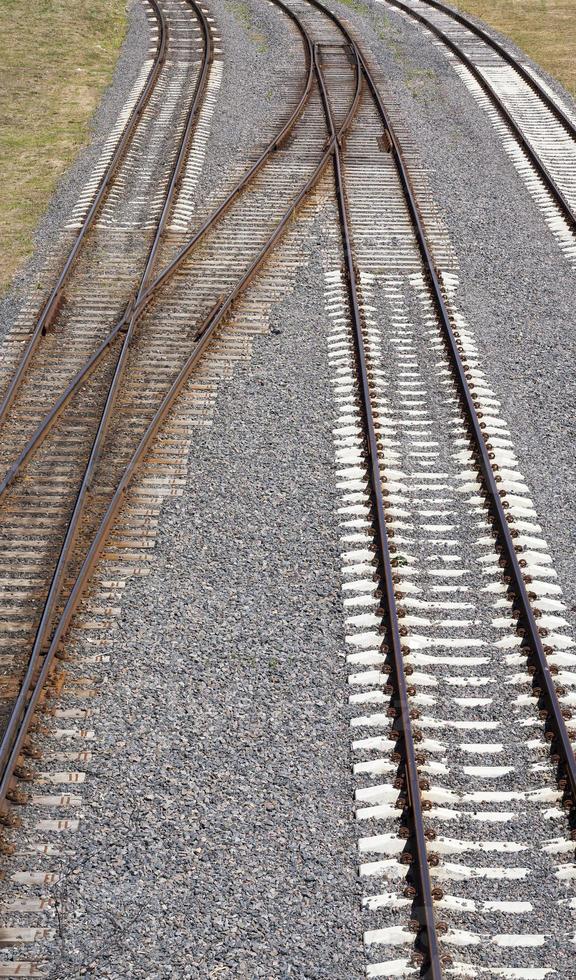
(445,571)
(93,199)
(111,257)
(538,133)
(470,578)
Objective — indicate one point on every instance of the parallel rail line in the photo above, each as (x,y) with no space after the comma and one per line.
(554,715)
(112,253)
(126,329)
(423,897)
(503,523)
(565,206)
(15,734)
(514,63)
(151,285)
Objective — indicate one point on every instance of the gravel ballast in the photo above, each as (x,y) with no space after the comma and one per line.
(224,837)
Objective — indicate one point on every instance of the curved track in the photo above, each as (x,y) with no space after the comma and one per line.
(544,132)
(28,516)
(119,241)
(510,59)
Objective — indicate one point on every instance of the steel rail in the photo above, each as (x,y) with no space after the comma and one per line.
(23,711)
(54,592)
(52,304)
(139,304)
(274,145)
(424,903)
(53,415)
(183,148)
(498,506)
(546,177)
(525,75)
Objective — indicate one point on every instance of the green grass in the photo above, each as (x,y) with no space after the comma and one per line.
(545,29)
(56,57)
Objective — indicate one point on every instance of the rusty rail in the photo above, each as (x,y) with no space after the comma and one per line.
(525,75)
(543,682)
(54,592)
(28,699)
(546,177)
(416,842)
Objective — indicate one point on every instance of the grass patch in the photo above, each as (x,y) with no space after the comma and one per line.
(545,29)
(56,57)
